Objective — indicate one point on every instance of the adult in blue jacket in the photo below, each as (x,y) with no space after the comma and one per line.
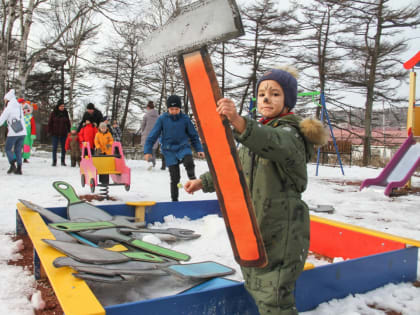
(177,135)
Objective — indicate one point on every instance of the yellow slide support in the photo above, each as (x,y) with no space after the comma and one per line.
(413,113)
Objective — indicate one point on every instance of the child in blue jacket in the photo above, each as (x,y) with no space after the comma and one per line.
(177,135)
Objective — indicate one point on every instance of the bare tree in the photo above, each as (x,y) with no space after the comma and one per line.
(258,50)
(8,18)
(314,47)
(70,46)
(374,67)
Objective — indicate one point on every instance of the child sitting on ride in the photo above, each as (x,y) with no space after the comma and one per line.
(73,145)
(103,145)
(103,140)
(87,134)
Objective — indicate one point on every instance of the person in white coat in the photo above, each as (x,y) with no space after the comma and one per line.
(16,131)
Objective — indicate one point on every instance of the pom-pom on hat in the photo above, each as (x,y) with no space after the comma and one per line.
(90,106)
(287,80)
(173,101)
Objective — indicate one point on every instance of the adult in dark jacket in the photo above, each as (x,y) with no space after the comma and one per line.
(92,114)
(274,154)
(177,134)
(59,127)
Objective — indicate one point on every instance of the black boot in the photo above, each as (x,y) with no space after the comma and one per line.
(18,170)
(174,191)
(54,163)
(63,163)
(12,168)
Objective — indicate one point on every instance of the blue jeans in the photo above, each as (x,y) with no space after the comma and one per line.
(16,143)
(62,140)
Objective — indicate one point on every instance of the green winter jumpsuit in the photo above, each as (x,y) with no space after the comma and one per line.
(274,158)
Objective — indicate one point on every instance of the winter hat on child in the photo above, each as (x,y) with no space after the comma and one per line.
(73,127)
(102,125)
(286,78)
(90,106)
(173,101)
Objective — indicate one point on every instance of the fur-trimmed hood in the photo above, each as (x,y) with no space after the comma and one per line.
(314,131)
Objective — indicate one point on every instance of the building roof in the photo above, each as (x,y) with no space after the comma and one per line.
(389,136)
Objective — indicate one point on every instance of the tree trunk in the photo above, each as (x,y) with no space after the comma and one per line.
(6,35)
(128,99)
(114,93)
(371,88)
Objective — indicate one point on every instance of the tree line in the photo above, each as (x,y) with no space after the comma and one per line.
(64,48)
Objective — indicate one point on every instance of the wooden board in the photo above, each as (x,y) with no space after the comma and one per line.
(336,239)
(229,180)
(67,288)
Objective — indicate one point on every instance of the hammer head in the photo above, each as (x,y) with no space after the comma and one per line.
(192,27)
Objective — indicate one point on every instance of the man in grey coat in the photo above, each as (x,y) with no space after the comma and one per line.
(149,120)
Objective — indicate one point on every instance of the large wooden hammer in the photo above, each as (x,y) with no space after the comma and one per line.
(186,35)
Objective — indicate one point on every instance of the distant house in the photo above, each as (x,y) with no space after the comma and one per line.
(385,142)
(388,137)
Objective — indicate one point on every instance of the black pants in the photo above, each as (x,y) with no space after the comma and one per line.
(175,174)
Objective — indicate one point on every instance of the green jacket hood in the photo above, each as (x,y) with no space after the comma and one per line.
(313,132)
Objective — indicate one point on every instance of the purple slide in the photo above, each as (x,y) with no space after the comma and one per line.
(399,169)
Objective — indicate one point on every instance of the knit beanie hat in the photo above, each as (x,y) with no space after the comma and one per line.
(173,101)
(60,102)
(287,81)
(90,106)
(73,127)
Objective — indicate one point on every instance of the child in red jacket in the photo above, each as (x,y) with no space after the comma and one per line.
(87,134)
(73,145)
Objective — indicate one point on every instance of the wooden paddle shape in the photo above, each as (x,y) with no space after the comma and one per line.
(79,210)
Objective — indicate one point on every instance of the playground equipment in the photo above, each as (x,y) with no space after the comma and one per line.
(399,170)
(324,112)
(114,165)
(413,113)
(382,259)
(401,167)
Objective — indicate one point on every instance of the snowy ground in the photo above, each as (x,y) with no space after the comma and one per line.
(369,208)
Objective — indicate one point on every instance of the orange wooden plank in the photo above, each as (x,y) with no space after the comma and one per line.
(224,164)
(334,239)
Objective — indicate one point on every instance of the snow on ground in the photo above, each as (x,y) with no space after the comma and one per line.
(368,208)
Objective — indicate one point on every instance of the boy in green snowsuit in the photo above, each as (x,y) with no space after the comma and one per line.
(274,154)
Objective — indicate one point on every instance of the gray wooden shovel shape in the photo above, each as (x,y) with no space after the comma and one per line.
(96,255)
(77,210)
(72,226)
(186,35)
(64,236)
